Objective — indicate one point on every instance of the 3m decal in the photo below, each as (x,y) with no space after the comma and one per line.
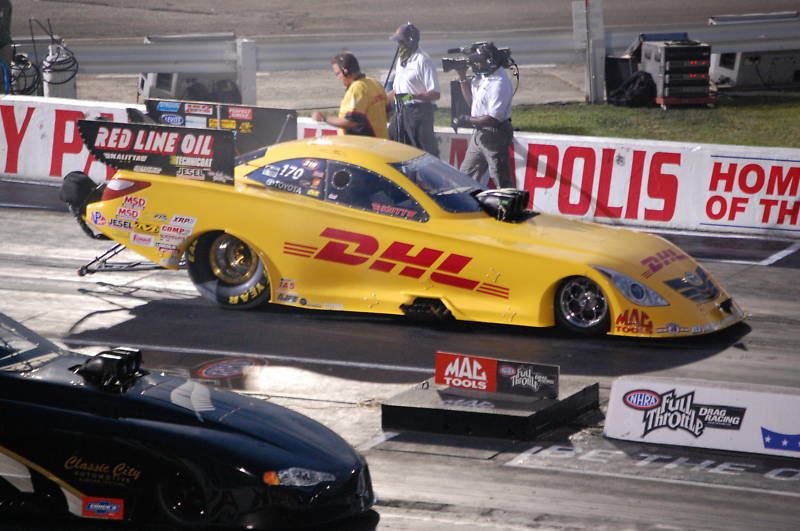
(405,259)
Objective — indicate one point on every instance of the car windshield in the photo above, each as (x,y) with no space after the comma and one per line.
(451,189)
(20,353)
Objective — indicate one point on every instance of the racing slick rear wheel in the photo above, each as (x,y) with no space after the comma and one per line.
(227,271)
(181,500)
(581,307)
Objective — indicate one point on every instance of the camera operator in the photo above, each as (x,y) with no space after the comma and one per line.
(363,107)
(489,95)
(415,88)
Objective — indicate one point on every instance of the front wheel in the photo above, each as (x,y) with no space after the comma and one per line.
(581,307)
(227,271)
(181,500)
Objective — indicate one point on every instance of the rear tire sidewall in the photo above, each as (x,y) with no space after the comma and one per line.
(165,497)
(254,292)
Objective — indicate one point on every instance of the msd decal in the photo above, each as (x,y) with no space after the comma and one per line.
(466,372)
(106,508)
(355,249)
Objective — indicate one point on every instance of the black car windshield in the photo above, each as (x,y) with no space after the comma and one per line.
(451,189)
(19,353)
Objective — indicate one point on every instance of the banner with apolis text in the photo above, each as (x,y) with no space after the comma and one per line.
(631,182)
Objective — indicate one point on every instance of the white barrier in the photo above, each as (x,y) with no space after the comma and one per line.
(701,413)
(667,185)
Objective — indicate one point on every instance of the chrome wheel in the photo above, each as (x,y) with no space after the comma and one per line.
(232,261)
(581,306)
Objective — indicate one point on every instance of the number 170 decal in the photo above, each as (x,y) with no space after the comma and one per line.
(355,249)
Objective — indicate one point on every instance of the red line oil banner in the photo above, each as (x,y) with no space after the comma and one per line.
(700,413)
(198,154)
(254,127)
(490,375)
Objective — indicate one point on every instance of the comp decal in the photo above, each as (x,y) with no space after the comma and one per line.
(401,258)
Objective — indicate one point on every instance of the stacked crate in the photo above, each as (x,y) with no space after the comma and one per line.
(679,70)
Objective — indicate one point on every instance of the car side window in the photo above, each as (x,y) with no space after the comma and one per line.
(296,176)
(360,188)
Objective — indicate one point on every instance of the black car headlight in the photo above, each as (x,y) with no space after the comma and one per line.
(296,477)
(634,291)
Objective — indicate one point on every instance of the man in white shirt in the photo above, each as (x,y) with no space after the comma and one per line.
(415,88)
(489,95)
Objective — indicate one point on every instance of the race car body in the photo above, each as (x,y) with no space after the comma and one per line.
(359,224)
(101,438)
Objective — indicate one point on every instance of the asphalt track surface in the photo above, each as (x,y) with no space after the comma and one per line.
(338,367)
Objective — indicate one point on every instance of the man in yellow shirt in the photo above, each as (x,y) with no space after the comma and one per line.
(363,108)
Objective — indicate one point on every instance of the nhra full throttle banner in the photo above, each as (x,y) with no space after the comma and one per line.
(198,154)
(253,127)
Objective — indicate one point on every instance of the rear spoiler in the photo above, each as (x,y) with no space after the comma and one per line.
(189,153)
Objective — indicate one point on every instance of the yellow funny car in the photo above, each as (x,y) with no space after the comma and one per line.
(360,224)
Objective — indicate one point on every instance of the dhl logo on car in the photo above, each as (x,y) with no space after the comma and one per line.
(356,249)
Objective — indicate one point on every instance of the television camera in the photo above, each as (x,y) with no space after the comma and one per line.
(482,57)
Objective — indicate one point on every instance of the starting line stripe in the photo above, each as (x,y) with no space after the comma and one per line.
(274,357)
(518,463)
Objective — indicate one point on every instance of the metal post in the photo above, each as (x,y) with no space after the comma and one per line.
(246,68)
(589,33)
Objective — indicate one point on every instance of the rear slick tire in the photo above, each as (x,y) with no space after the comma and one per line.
(581,307)
(227,271)
(181,501)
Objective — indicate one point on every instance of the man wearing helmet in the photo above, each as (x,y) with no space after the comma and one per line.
(489,95)
(415,88)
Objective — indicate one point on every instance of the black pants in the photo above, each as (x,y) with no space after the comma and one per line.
(413,124)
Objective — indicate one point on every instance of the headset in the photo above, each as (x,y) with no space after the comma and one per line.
(347,63)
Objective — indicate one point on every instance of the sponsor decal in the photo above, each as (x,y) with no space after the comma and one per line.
(196,174)
(98,219)
(213,123)
(172,238)
(198,108)
(668,410)
(120,224)
(240,113)
(172,119)
(694,285)
(391,210)
(101,472)
(671,328)
(527,379)
(288,298)
(175,231)
(660,260)
(145,240)
(780,441)
(225,368)
(128,213)
(245,128)
(146,227)
(160,217)
(202,161)
(141,168)
(169,106)
(287,284)
(463,371)
(186,222)
(137,203)
(642,399)
(105,508)
(633,322)
(356,249)
(196,121)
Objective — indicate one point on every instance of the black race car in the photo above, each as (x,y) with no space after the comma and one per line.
(101,437)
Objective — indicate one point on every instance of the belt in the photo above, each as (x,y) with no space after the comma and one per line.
(416,103)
